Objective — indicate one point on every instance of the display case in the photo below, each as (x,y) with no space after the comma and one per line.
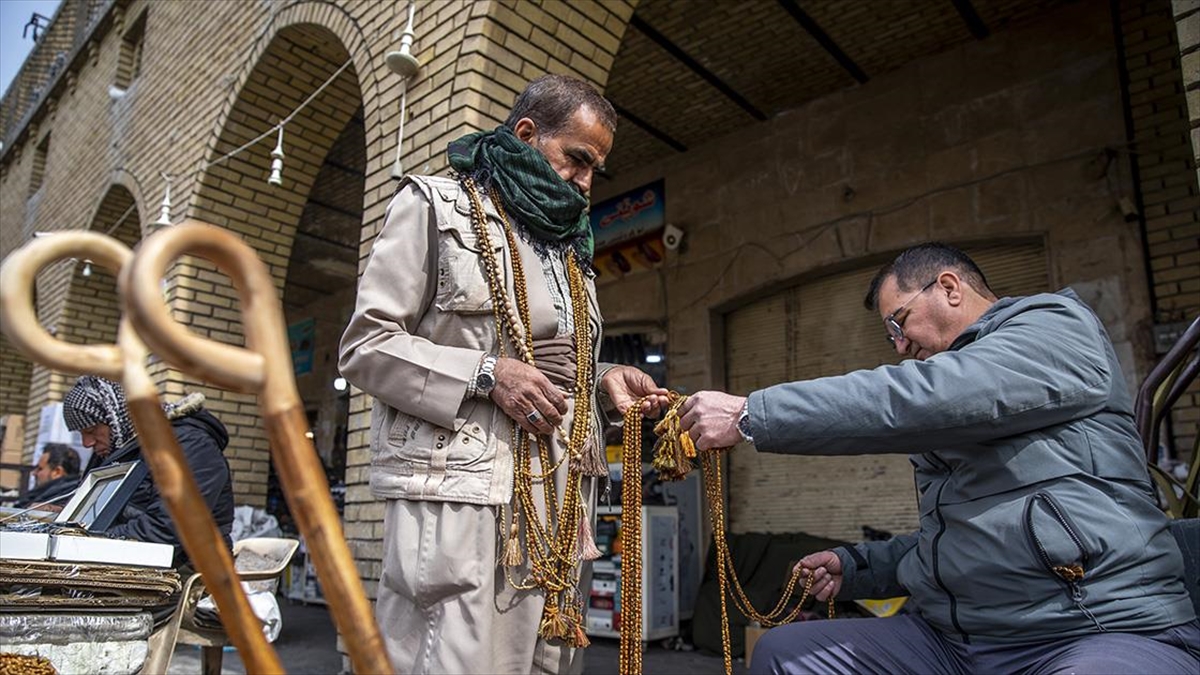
(660,574)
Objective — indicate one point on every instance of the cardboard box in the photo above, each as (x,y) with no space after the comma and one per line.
(11,449)
(752,634)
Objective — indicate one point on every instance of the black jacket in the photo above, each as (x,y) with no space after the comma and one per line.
(49,490)
(203,439)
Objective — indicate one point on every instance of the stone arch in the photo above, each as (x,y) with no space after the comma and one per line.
(234,193)
(338,21)
(78,302)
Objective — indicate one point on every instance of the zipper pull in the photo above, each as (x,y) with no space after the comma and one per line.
(1071,574)
(1077,598)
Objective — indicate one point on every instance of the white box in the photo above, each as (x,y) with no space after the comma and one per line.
(24,546)
(98,550)
(112,551)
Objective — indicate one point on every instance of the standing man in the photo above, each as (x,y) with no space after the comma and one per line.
(55,475)
(477,332)
(1040,546)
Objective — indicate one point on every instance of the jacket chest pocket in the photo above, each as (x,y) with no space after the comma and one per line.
(462,285)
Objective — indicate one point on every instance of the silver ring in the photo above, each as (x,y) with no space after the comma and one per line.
(534,417)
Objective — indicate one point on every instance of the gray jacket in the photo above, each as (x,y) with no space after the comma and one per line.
(1027,463)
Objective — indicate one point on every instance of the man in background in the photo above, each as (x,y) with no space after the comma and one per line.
(55,475)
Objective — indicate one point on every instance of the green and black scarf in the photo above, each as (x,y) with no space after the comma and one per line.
(549,208)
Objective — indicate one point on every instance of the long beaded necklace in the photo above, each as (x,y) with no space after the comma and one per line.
(672,454)
(557,545)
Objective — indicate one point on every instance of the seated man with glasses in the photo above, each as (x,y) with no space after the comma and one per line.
(56,475)
(1040,546)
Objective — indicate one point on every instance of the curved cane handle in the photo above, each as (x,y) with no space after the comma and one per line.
(124,362)
(19,317)
(227,366)
(264,368)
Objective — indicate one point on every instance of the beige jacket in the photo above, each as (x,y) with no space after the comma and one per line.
(422,322)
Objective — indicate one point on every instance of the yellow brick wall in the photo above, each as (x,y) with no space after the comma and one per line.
(766,207)
(1163,133)
(1187,23)
(213,80)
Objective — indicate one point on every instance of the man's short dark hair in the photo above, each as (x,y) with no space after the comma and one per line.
(916,266)
(60,454)
(551,100)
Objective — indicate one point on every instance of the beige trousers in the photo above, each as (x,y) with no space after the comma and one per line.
(444,605)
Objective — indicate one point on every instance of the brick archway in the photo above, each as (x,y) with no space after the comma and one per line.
(234,193)
(78,302)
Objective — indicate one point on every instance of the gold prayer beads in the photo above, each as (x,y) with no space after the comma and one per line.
(553,545)
(672,452)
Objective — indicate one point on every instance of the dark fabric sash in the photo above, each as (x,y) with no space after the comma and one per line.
(555,357)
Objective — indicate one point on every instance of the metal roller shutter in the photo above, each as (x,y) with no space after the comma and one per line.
(818,329)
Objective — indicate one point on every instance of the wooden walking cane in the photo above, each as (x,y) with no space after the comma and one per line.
(124,362)
(264,368)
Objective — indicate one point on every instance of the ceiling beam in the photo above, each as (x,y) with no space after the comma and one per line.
(707,75)
(650,129)
(806,22)
(974,23)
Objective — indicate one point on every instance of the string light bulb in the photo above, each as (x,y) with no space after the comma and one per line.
(404,64)
(277,161)
(164,213)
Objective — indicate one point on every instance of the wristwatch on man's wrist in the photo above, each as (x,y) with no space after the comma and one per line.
(485,377)
(743,423)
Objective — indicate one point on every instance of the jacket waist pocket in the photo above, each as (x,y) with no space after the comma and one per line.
(1059,547)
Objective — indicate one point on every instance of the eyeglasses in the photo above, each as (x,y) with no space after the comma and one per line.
(895,329)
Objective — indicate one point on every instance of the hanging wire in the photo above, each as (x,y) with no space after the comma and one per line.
(397,167)
(277,129)
(279,126)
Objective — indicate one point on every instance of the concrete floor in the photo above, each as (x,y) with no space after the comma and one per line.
(308,644)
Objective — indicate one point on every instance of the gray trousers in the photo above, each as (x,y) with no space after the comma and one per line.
(907,644)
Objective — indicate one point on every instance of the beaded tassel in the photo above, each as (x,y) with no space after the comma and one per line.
(587,542)
(581,638)
(591,459)
(512,548)
(674,448)
(672,458)
(553,625)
